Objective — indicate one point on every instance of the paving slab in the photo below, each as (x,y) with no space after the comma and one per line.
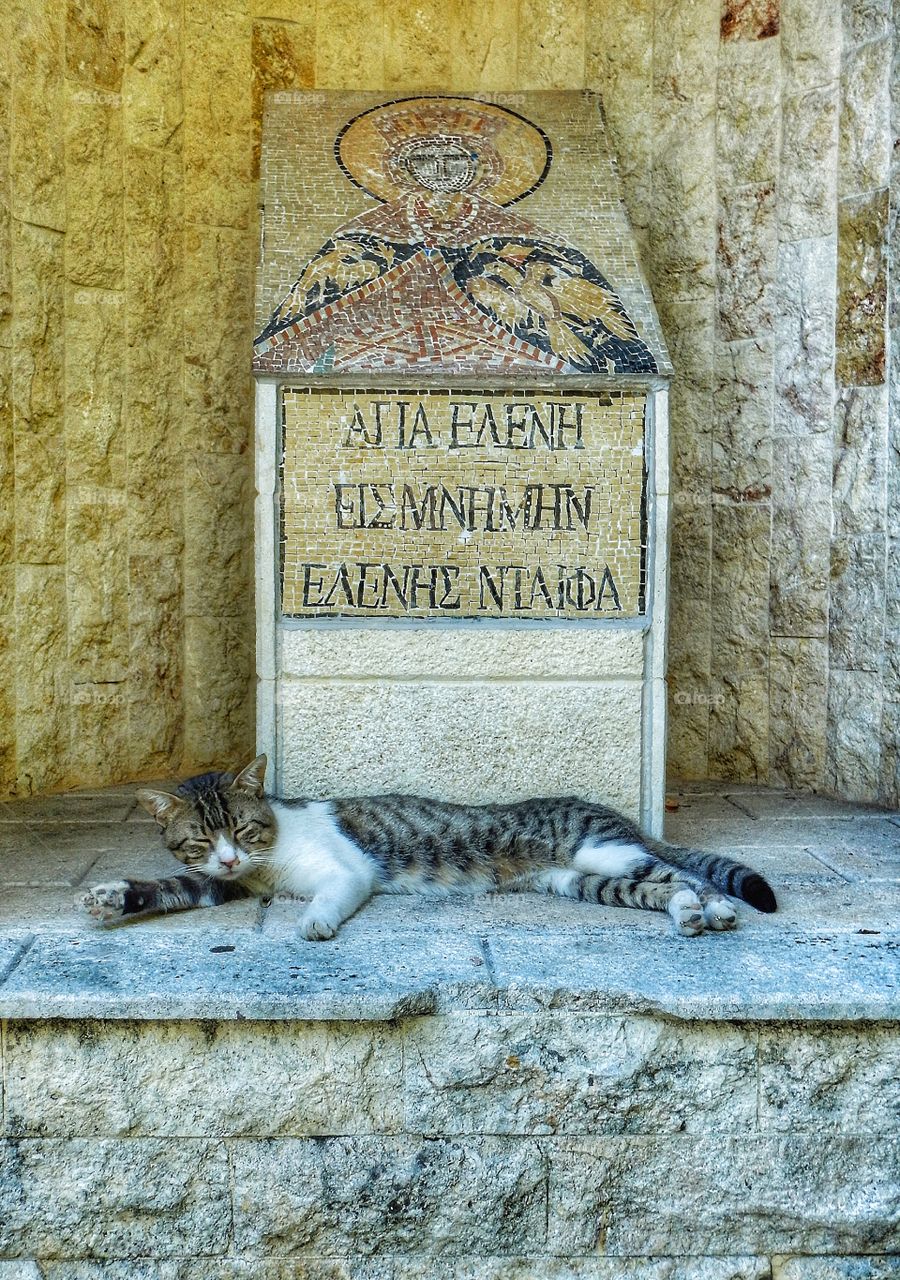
(860,862)
(746,975)
(844,907)
(76,806)
(785,864)
(13,946)
(875,835)
(789,806)
(62,854)
(217,972)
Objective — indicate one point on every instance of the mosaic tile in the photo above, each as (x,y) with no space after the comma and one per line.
(462,504)
(429,268)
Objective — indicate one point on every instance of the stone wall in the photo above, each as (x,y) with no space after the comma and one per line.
(755,150)
(759,168)
(544,1146)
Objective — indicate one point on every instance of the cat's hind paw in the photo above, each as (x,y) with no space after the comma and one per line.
(687,912)
(104,902)
(719,914)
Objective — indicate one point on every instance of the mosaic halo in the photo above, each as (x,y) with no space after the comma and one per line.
(508,156)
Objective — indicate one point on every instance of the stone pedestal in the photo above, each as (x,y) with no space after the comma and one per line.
(462,456)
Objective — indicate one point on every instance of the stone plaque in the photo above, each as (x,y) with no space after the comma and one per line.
(463,504)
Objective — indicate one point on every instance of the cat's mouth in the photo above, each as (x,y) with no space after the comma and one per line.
(234,872)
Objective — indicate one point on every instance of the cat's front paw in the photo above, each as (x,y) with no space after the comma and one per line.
(317,928)
(104,902)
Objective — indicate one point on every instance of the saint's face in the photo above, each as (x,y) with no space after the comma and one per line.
(441,165)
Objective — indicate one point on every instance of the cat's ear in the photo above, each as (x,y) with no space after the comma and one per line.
(162,805)
(252,779)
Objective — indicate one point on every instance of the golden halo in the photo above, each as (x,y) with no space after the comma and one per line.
(512,155)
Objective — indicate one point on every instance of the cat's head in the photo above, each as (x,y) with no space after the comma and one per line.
(218,823)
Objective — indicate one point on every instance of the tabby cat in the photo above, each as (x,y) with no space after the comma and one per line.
(235,840)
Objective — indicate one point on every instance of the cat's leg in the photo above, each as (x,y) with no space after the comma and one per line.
(334,904)
(626,873)
(663,890)
(120,898)
(676,896)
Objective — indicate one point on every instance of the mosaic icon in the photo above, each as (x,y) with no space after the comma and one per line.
(439,274)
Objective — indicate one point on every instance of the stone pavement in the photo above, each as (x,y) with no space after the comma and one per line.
(831,952)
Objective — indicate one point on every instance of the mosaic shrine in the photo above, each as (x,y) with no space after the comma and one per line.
(462,504)
(434,270)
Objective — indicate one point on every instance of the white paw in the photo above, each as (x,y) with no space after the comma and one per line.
(105,901)
(719,914)
(317,928)
(686,911)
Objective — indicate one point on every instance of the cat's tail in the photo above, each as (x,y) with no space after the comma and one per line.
(734,878)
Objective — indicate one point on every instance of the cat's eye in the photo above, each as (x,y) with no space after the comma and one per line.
(249,831)
(197,848)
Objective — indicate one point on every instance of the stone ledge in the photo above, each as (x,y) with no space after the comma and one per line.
(371,974)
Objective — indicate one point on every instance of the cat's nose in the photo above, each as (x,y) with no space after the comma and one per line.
(228,859)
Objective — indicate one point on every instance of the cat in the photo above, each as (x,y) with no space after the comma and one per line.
(236,840)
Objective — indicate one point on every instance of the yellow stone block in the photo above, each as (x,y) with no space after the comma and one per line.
(217,122)
(218,287)
(156,665)
(95,42)
(37,383)
(42,712)
(483,45)
(36,149)
(151,88)
(416,45)
(350,44)
(551,44)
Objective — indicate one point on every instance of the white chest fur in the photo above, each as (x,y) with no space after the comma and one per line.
(312,855)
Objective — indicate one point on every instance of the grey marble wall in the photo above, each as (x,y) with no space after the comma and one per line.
(756,145)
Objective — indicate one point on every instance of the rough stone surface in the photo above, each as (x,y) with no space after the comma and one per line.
(804,336)
(359,1195)
(451,739)
(570,1073)
(835,1268)
(865,127)
(798,707)
(742,439)
(112,1198)
(746,260)
(286,1078)
(808,169)
(830,1079)
(854,705)
(801,529)
(860,459)
(856,615)
(812,1193)
(575,1269)
(748,110)
(862,287)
